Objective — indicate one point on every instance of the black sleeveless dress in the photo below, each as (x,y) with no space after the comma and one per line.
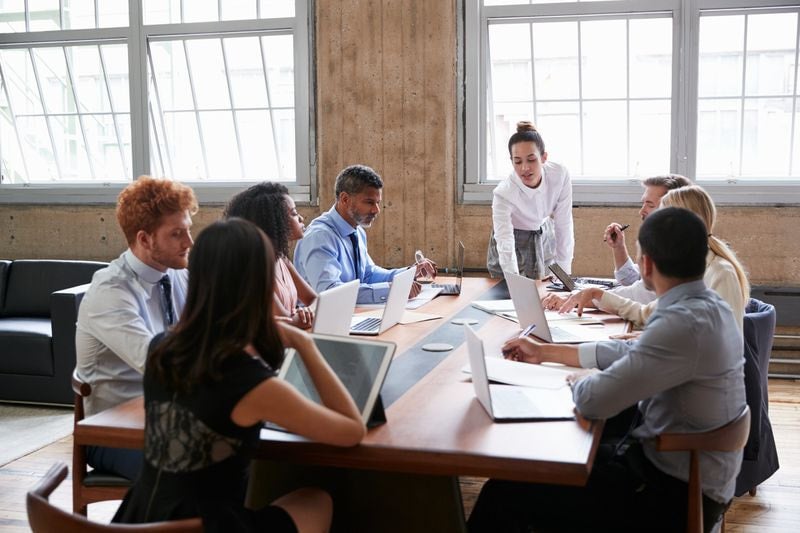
(196,459)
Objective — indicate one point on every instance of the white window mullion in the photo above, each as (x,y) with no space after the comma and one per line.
(126,165)
(233,108)
(269,107)
(580,101)
(743,100)
(794,97)
(14,123)
(73,87)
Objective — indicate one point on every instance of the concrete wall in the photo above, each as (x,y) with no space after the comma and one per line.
(386,97)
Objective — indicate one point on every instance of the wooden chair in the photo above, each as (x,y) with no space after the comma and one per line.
(90,487)
(728,438)
(44,517)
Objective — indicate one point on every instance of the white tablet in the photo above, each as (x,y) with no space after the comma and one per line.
(360,364)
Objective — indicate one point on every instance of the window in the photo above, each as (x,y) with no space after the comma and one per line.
(627,89)
(211,92)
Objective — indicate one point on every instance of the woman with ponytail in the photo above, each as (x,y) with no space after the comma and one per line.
(531,211)
(724,273)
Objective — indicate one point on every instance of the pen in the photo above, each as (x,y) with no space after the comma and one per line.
(527,331)
(622,228)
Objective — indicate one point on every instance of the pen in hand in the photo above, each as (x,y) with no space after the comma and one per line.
(614,235)
(527,331)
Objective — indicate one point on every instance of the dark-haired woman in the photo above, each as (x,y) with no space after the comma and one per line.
(270,207)
(209,384)
(531,211)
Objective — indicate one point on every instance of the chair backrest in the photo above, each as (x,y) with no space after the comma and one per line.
(44,517)
(728,438)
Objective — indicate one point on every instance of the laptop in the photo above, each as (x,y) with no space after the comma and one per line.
(512,403)
(392,312)
(570,284)
(360,364)
(569,330)
(453,289)
(335,309)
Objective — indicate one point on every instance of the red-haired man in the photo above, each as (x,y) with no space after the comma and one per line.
(137,296)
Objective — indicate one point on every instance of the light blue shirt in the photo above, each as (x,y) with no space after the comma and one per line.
(121,312)
(628,273)
(686,371)
(324,257)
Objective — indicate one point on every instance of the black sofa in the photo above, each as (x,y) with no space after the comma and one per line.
(38,309)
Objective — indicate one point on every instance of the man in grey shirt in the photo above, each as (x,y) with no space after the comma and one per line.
(140,294)
(686,373)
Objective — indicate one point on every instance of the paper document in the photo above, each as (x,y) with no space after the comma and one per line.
(427,294)
(409,317)
(526,374)
(494,306)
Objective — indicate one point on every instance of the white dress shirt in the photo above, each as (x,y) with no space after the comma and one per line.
(628,273)
(517,206)
(119,315)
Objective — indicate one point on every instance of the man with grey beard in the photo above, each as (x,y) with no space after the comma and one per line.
(334,248)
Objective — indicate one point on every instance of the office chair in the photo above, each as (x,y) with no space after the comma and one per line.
(728,438)
(44,517)
(90,487)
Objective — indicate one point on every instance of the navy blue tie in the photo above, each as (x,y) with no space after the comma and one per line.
(354,241)
(166,291)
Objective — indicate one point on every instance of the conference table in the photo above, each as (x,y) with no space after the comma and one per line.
(404,474)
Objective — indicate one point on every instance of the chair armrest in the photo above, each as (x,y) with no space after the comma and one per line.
(64,306)
(730,437)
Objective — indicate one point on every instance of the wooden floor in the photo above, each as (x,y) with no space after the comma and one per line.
(776,507)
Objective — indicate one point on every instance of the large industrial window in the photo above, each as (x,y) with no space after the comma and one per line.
(214,93)
(628,89)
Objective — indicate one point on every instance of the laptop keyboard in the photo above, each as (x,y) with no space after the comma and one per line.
(560,335)
(591,281)
(368,324)
(446,287)
(510,402)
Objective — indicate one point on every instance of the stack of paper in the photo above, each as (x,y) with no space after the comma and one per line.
(526,374)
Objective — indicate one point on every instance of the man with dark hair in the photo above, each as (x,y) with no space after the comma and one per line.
(334,248)
(137,296)
(625,270)
(685,372)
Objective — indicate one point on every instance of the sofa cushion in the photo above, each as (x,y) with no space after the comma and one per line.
(26,346)
(30,283)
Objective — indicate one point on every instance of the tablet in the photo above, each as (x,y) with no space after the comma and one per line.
(360,364)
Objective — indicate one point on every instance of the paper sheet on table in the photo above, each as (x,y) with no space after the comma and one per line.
(494,306)
(554,316)
(526,374)
(409,317)
(427,294)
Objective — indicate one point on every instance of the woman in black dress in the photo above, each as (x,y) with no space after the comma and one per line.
(208,387)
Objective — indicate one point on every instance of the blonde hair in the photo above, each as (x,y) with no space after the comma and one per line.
(696,199)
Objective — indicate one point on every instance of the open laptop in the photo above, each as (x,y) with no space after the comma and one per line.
(360,364)
(528,306)
(453,289)
(511,403)
(392,312)
(335,309)
(570,284)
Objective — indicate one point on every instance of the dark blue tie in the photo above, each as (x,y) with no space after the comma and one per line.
(166,291)
(354,241)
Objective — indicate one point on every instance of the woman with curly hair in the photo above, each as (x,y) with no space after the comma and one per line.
(270,207)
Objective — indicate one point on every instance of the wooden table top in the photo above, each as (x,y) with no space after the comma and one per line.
(437,427)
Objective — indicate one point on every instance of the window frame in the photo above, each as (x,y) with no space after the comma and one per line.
(473,62)
(137,36)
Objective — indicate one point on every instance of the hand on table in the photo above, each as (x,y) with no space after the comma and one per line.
(581,300)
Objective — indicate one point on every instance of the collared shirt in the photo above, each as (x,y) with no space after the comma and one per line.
(636,291)
(517,206)
(628,273)
(720,276)
(686,372)
(324,257)
(120,313)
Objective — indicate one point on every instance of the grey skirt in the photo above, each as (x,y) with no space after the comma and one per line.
(525,245)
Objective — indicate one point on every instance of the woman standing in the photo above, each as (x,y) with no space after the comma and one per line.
(208,386)
(270,207)
(531,211)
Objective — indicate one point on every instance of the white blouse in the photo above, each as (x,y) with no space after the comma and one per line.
(517,206)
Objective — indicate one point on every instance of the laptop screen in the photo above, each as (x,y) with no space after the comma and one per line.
(361,365)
